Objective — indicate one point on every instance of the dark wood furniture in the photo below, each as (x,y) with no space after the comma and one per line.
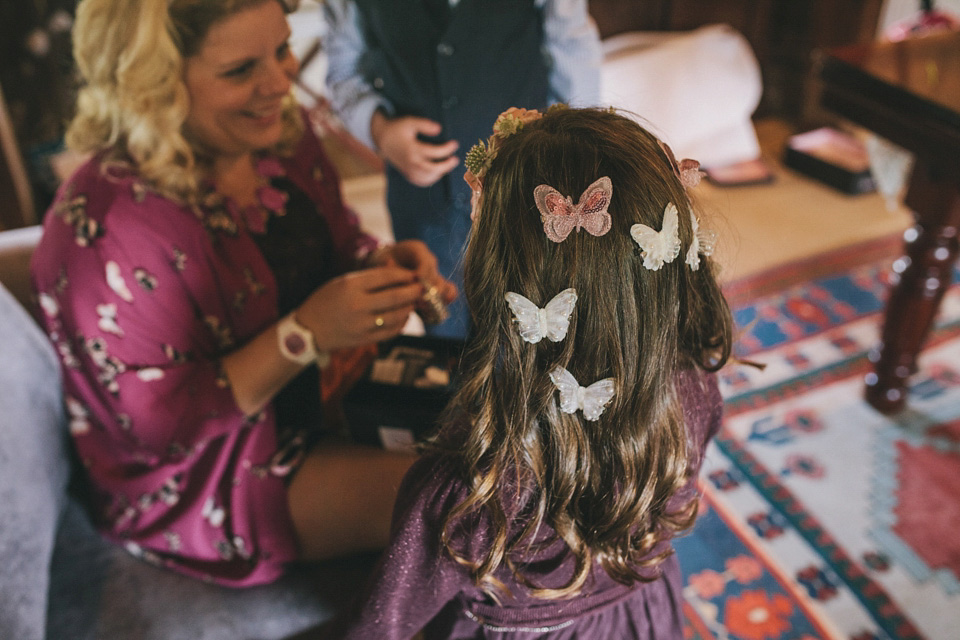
(16,195)
(909,93)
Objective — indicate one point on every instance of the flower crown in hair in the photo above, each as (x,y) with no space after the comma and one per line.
(480,155)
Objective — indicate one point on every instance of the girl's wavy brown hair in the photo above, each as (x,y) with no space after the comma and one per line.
(602,486)
(133,102)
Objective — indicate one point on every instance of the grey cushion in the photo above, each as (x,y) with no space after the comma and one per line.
(33,469)
(100,591)
(60,579)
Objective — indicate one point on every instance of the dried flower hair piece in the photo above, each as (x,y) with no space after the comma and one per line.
(535,323)
(477,161)
(659,247)
(480,155)
(591,400)
(687,170)
(560,216)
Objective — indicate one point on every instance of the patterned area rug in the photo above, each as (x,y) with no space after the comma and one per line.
(821,518)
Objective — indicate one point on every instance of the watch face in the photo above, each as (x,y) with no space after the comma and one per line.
(295,344)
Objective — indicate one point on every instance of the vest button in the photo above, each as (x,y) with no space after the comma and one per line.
(378,83)
(450,102)
(445,49)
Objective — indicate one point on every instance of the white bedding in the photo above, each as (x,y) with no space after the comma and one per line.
(697,90)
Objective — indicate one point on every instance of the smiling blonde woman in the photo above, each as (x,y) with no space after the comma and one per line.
(195,276)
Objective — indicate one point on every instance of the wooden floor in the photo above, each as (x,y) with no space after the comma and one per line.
(758,226)
(794,217)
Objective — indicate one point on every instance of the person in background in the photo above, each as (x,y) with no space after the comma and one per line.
(420,81)
(568,460)
(200,277)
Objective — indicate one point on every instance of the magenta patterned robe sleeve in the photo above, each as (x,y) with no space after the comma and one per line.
(142,297)
(140,322)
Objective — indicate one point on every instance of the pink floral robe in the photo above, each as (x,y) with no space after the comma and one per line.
(141,297)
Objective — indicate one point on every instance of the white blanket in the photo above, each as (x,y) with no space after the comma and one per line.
(696,90)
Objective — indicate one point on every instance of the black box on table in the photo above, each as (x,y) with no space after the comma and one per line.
(402,394)
(833,157)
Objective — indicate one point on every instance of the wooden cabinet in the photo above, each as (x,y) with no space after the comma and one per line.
(784,34)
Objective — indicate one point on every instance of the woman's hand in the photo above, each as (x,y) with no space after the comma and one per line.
(355,309)
(416,256)
(361,307)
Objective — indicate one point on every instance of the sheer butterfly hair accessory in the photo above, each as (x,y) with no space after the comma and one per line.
(590,400)
(560,216)
(659,247)
(662,247)
(703,242)
(535,323)
(687,170)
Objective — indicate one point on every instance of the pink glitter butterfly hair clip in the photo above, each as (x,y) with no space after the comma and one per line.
(560,216)
(687,170)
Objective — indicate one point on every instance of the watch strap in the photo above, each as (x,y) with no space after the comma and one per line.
(296,343)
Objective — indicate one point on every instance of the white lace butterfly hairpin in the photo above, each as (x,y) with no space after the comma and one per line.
(591,400)
(659,247)
(560,216)
(535,323)
(703,242)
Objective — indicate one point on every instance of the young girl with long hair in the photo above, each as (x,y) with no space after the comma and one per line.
(545,506)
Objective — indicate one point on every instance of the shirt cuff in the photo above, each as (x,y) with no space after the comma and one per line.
(360,116)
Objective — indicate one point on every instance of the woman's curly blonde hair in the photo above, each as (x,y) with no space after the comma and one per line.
(133,100)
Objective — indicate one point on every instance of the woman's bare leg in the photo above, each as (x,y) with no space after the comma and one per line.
(341,499)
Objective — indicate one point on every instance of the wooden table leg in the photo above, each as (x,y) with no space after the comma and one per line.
(925,273)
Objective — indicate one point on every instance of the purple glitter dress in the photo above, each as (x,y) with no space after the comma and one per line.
(417,586)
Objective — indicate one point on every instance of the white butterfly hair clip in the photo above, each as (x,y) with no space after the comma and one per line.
(659,247)
(703,242)
(560,216)
(591,400)
(535,323)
